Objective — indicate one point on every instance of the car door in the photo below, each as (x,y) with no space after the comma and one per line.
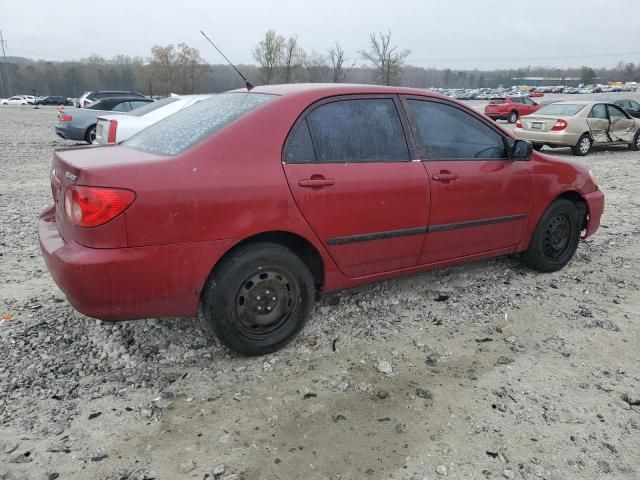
(349,168)
(480,199)
(598,123)
(623,127)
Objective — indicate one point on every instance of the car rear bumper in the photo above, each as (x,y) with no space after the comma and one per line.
(497,116)
(595,206)
(128,283)
(558,139)
(70,133)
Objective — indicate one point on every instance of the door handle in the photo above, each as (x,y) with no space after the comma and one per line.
(316,182)
(444,176)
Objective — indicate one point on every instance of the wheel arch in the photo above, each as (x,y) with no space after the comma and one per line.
(579,201)
(301,246)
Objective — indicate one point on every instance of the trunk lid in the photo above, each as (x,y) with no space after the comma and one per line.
(538,123)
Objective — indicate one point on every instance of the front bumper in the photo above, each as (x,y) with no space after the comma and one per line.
(556,139)
(595,206)
(128,283)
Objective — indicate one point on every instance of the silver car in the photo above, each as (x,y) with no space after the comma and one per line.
(579,125)
(80,123)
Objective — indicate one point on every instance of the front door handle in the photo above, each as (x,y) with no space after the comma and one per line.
(314,182)
(444,176)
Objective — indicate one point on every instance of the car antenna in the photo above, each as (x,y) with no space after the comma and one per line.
(248,84)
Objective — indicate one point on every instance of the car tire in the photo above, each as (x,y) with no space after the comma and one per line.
(583,146)
(538,146)
(513,117)
(556,237)
(90,136)
(635,145)
(258,298)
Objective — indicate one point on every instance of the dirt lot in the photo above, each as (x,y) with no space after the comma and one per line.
(495,371)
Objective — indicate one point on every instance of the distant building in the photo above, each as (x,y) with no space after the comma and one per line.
(549,81)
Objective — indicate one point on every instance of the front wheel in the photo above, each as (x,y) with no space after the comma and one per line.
(258,298)
(513,117)
(635,144)
(583,146)
(556,237)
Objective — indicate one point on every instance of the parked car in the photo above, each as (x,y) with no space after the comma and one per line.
(510,108)
(252,203)
(631,106)
(80,124)
(53,100)
(536,94)
(579,125)
(16,100)
(88,98)
(117,128)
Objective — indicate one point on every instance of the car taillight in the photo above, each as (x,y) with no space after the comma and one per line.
(65,117)
(518,124)
(113,127)
(93,206)
(559,125)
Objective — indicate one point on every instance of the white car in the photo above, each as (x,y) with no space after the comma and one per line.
(17,100)
(118,128)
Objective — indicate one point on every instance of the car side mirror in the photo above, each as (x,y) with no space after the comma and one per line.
(521,150)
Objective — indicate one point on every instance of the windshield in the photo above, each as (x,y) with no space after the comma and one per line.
(560,109)
(182,130)
(150,107)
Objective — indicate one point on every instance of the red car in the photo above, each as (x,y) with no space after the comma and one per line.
(536,94)
(510,108)
(253,203)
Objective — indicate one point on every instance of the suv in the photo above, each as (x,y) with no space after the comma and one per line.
(89,97)
(510,108)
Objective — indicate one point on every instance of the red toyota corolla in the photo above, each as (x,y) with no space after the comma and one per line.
(252,203)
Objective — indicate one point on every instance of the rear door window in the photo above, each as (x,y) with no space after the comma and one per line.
(451,133)
(182,130)
(358,130)
(122,107)
(598,111)
(300,146)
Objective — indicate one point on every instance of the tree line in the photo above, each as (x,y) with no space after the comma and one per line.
(181,69)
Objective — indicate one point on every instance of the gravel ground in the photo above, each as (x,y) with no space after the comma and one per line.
(487,370)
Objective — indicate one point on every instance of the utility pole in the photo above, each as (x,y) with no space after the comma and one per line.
(3,42)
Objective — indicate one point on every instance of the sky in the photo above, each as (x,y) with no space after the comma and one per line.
(457,34)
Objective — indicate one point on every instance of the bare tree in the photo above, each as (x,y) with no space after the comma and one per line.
(293,58)
(337,59)
(386,59)
(317,67)
(164,62)
(268,53)
(190,67)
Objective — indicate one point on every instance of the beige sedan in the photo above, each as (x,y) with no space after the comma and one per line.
(579,125)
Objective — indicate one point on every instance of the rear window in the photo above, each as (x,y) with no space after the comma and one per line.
(150,107)
(182,130)
(496,101)
(560,109)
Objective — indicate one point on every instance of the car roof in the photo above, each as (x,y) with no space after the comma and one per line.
(329,89)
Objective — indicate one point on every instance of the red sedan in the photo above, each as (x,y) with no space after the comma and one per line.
(252,203)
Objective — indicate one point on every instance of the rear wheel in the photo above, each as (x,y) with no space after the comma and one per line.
(258,298)
(556,237)
(635,145)
(513,117)
(90,136)
(583,146)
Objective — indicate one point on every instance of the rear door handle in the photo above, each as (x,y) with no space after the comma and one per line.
(316,182)
(444,176)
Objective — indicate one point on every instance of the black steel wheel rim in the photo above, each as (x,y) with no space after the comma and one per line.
(265,302)
(557,236)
